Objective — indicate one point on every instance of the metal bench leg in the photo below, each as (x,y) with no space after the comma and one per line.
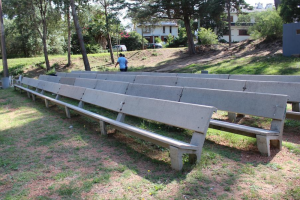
(28,94)
(81,104)
(33,97)
(103,128)
(176,158)
(295,107)
(263,145)
(121,117)
(42,92)
(68,112)
(46,103)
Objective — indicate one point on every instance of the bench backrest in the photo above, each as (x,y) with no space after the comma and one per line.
(54,79)
(84,82)
(192,117)
(280,78)
(156,80)
(71,91)
(258,104)
(112,86)
(61,74)
(67,80)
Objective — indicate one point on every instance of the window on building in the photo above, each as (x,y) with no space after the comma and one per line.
(147,29)
(164,29)
(243,32)
(226,31)
(298,32)
(170,29)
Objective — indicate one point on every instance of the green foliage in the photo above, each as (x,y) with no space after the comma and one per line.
(207,36)
(268,24)
(158,40)
(180,40)
(170,38)
(289,10)
(133,42)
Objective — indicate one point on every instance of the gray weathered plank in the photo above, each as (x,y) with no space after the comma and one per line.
(73,92)
(189,116)
(87,83)
(112,86)
(67,80)
(156,80)
(257,104)
(61,74)
(88,75)
(280,78)
(108,100)
(155,91)
(120,77)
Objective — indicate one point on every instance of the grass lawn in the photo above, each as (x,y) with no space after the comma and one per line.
(44,155)
(269,65)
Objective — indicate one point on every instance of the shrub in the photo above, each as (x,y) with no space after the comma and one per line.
(133,42)
(207,36)
(268,24)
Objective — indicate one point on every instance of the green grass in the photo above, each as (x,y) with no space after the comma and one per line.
(37,147)
(271,65)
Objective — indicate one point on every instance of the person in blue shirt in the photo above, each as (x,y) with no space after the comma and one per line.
(122,61)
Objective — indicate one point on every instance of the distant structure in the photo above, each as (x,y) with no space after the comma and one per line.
(291,39)
(239,32)
(160,30)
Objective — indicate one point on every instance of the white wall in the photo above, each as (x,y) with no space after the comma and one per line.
(158,31)
(235,34)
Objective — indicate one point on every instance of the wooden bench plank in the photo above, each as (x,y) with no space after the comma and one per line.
(111,101)
(154,91)
(67,80)
(152,109)
(153,80)
(257,104)
(87,83)
(88,75)
(112,86)
(73,92)
(124,78)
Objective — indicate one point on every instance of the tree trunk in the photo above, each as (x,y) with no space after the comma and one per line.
(189,35)
(276,2)
(80,37)
(143,47)
(108,35)
(46,53)
(229,21)
(3,46)
(69,37)
(44,39)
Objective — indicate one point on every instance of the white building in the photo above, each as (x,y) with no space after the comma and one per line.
(240,32)
(160,30)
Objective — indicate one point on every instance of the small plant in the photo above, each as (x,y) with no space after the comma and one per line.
(207,36)
(144,58)
(154,54)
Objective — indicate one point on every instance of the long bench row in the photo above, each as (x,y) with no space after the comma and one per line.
(257,104)
(280,78)
(290,89)
(183,115)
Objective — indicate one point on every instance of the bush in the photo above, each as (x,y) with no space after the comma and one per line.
(207,36)
(134,41)
(222,41)
(268,24)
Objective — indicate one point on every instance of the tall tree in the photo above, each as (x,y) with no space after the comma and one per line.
(276,2)
(80,37)
(173,10)
(39,15)
(290,10)
(3,46)
(105,4)
(233,5)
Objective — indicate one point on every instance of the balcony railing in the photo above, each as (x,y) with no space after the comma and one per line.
(242,24)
